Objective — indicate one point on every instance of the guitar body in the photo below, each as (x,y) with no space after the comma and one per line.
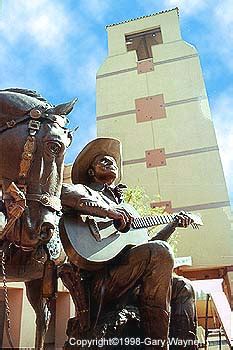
(91,242)
(91,251)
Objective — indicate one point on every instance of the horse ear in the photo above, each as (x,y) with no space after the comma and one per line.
(62,109)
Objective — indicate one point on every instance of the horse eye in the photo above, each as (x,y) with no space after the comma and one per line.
(54,147)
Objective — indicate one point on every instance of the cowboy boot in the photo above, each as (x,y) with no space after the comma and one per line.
(155,323)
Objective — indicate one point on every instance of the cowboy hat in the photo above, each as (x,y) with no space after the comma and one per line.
(99,146)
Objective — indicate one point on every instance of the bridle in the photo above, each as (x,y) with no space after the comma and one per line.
(16,193)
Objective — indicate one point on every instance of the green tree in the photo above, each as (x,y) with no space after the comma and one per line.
(137,197)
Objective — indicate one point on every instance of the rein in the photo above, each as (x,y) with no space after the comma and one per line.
(17,192)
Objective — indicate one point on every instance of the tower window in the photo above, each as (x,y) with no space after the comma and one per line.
(142,42)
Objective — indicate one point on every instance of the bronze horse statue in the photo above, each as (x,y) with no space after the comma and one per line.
(33,141)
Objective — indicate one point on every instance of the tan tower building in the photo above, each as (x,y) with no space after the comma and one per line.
(151,95)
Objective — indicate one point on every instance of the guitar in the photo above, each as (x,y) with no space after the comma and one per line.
(90,242)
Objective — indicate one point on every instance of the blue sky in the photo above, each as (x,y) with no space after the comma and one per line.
(56,47)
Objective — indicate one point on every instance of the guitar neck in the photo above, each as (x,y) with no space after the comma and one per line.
(149,221)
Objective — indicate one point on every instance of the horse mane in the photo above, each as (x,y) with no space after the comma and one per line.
(16,102)
(27,92)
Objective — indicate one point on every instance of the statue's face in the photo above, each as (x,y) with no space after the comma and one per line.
(105,169)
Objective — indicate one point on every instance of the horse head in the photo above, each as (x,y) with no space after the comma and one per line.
(33,142)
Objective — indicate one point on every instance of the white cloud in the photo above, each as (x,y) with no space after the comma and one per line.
(224,14)
(222,37)
(214,24)
(38,34)
(223,116)
(43,22)
(187,7)
(97,9)
(87,75)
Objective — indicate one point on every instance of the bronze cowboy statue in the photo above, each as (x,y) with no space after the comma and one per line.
(109,250)
(33,142)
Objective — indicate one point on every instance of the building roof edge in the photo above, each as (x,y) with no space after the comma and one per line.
(146,16)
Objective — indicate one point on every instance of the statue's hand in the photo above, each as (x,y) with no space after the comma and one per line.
(182,220)
(122,219)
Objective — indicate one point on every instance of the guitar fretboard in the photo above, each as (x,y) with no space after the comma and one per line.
(148,221)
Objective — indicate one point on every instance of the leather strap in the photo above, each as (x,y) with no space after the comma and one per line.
(27,156)
(46,199)
(16,207)
(12,123)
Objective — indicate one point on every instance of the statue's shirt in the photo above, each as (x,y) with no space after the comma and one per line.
(94,199)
